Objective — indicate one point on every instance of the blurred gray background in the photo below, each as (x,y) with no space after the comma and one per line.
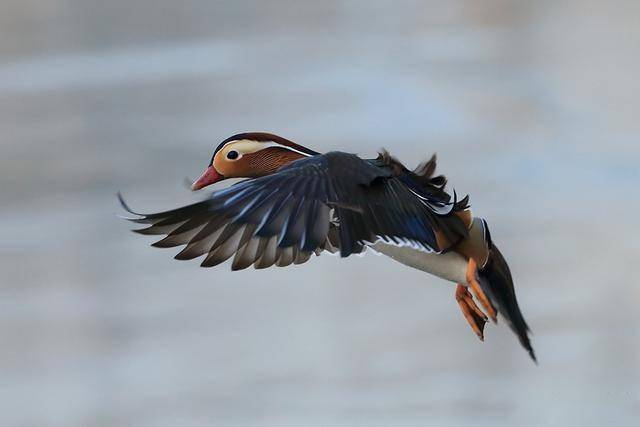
(532,108)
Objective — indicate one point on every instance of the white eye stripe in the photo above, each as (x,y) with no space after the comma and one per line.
(244,146)
(275,144)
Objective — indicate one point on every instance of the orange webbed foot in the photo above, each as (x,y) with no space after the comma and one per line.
(472,280)
(474,316)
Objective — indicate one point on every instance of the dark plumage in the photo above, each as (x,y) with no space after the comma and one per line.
(294,204)
(496,282)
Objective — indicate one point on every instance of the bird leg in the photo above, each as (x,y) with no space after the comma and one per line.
(475,317)
(472,280)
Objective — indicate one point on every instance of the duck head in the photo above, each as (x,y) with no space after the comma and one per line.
(250,155)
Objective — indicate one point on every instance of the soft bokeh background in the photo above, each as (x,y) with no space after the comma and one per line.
(531,106)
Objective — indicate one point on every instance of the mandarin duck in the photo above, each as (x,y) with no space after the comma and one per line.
(297,202)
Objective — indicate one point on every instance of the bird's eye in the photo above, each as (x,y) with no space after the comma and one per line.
(232,155)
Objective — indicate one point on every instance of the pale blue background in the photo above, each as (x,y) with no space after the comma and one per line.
(532,108)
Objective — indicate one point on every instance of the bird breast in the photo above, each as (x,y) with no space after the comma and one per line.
(450,266)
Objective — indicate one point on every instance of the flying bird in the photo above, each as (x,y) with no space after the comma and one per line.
(297,202)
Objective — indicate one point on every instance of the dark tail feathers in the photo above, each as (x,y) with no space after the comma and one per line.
(497,284)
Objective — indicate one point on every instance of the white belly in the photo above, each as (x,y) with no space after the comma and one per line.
(450,266)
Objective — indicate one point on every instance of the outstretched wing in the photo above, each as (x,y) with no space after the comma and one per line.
(335,201)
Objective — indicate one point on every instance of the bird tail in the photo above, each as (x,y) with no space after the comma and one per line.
(497,283)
